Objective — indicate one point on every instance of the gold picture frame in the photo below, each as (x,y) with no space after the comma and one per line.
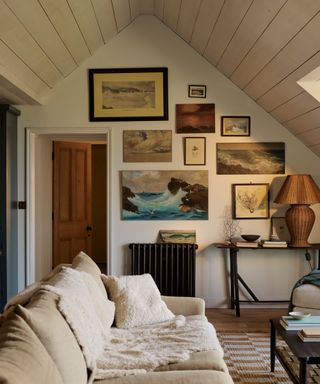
(128,94)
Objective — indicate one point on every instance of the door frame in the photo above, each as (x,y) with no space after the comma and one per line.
(59,133)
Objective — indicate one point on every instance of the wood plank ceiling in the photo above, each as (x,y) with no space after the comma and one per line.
(262,46)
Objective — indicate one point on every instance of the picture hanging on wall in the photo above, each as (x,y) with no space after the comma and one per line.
(250,158)
(235,125)
(147,146)
(194,151)
(197,91)
(177,236)
(250,201)
(195,118)
(123,94)
(164,195)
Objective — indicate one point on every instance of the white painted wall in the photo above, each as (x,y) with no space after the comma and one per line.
(148,43)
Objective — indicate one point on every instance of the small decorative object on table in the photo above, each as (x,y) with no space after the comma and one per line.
(250,237)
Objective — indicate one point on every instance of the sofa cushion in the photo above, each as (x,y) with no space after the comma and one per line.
(83,262)
(55,334)
(23,359)
(137,299)
(173,377)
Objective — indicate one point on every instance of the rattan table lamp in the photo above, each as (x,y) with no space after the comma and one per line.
(299,191)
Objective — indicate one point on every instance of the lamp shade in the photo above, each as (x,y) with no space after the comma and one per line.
(298,189)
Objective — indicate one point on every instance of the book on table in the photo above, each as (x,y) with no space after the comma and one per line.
(291,324)
(274,244)
(309,334)
(247,244)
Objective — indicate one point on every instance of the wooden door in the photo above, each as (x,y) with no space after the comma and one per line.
(72,201)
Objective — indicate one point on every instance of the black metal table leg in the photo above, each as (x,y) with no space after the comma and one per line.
(231,279)
(303,369)
(273,336)
(234,257)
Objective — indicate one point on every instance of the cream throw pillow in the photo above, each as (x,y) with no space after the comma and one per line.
(137,299)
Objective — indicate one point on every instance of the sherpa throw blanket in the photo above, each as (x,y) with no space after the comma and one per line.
(119,352)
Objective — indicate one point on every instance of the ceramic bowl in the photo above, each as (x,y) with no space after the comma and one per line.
(250,237)
(299,315)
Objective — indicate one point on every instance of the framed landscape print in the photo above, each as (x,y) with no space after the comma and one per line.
(147,146)
(235,125)
(177,236)
(250,201)
(195,118)
(164,195)
(197,91)
(250,158)
(194,151)
(123,94)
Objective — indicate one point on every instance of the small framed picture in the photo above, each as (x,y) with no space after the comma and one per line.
(194,151)
(250,201)
(235,125)
(197,91)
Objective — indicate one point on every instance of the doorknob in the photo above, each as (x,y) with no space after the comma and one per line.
(89,228)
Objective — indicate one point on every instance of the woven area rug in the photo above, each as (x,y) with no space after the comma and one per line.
(247,356)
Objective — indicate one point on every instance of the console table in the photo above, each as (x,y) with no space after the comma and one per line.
(235,277)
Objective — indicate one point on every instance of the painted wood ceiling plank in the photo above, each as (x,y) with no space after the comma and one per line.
(147,7)
(19,74)
(122,13)
(15,36)
(188,14)
(258,17)
(134,8)
(171,13)
(288,87)
(303,46)
(295,107)
(105,16)
(303,123)
(10,97)
(311,137)
(36,22)
(60,15)
(83,12)
(206,20)
(291,18)
(231,16)
(158,8)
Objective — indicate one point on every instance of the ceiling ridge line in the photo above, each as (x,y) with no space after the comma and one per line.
(114,16)
(178,18)
(35,41)
(301,114)
(282,48)
(285,102)
(267,26)
(95,15)
(235,31)
(307,131)
(195,20)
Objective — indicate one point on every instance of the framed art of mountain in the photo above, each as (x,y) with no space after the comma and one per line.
(124,94)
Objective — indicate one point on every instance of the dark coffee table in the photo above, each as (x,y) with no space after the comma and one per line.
(306,353)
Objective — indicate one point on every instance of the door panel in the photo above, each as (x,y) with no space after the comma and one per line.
(72,201)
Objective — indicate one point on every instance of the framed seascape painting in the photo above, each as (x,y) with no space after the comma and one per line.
(250,201)
(194,151)
(177,236)
(235,125)
(147,146)
(164,195)
(123,94)
(199,91)
(250,158)
(195,118)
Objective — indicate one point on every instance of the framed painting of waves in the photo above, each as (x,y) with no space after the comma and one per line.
(177,236)
(250,158)
(164,195)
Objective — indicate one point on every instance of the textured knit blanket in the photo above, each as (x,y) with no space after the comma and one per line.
(312,277)
(111,352)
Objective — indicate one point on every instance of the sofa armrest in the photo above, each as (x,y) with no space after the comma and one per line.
(185,305)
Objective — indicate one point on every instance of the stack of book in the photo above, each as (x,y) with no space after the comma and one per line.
(291,324)
(249,244)
(274,244)
(309,334)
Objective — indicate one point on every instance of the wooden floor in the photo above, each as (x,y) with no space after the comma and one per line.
(251,320)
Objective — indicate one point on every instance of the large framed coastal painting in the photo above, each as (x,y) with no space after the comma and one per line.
(250,158)
(164,195)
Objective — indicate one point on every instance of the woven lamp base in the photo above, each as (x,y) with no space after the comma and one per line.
(300,219)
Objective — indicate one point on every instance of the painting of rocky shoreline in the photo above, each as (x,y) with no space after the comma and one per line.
(164,195)
(250,158)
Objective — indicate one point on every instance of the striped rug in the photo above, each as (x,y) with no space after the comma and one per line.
(247,356)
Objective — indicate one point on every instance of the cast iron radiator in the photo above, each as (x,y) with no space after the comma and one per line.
(172,266)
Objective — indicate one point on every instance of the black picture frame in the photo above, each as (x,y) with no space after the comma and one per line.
(235,125)
(197,91)
(128,94)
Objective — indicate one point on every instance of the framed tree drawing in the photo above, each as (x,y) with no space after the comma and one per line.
(124,94)
(250,201)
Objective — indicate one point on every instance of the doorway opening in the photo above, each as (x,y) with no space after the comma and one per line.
(39,182)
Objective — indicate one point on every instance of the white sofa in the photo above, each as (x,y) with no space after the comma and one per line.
(38,346)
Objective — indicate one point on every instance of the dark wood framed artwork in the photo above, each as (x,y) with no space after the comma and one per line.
(194,151)
(195,118)
(128,94)
(235,125)
(250,201)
